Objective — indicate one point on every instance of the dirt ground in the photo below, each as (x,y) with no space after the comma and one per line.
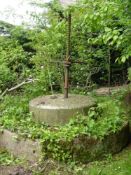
(107,90)
(13,170)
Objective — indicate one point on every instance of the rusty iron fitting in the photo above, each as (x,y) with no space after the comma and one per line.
(67,63)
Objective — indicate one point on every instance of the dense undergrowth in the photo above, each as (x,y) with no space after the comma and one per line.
(100,38)
(106,117)
(8,159)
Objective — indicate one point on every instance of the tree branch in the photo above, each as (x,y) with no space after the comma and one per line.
(28,81)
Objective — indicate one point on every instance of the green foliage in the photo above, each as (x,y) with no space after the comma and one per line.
(97,36)
(118,165)
(96,32)
(101,120)
(13,62)
(5,28)
(8,159)
(15,116)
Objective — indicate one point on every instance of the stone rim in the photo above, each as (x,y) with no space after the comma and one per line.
(52,102)
(55,110)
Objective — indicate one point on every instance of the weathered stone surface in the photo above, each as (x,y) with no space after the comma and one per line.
(86,149)
(7,170)
(96,149)
(24,148)
(56,110)
(83,148)
(14,170)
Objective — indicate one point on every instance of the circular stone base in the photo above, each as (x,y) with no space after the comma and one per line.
(56,110)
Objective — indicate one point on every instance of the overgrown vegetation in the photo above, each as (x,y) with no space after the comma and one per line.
(101,38)
(108,116)
(119,164)
(98,38)
(8,159)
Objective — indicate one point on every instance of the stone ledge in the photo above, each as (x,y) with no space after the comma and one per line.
(22,148)
(86,149)
(110,144)
(83,148)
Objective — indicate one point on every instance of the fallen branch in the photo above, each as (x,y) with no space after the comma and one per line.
(28,81)
(3,93)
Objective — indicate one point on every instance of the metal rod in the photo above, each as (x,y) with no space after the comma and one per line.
(109,71)
(67,61)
